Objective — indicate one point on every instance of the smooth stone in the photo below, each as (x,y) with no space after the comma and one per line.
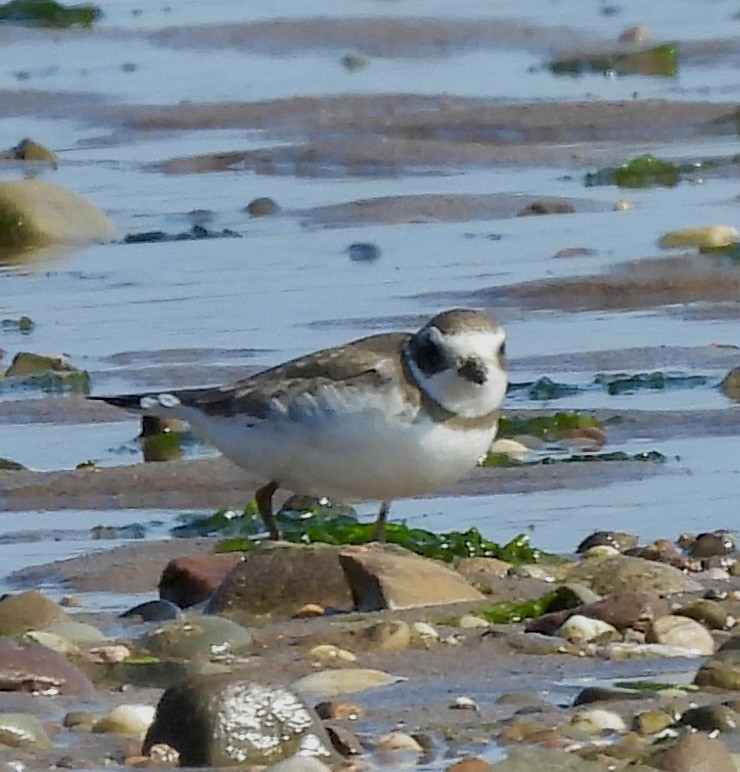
(30,667)
(425,632)
(389,635)
(579,628)
(29,610)
(262,207)
(707,545)
(681,632)
(224,721)
(708,612)
(621,574)
(328,652)
(711,718)
(199,636)
(695,752)
(339,709)
(470,764)
(617,539)
(398,741)
(54,642)
(299,763)
(622,611)
(627,650)
(36,213)
(592,694)
(129,720)
(389,577)
(22,730)
(472,622)
(77,632)
(330,683)
(189,580)
(280,576)
(153,611)
(363,252)
(482,568)
(549,761)
(597,720)
(723,669)
(651,721)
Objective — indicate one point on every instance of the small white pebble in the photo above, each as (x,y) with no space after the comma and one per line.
(464,703)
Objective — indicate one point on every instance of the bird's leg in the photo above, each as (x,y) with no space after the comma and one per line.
(379,529)
(263,497)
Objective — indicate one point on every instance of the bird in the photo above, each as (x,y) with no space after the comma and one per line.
(388,416)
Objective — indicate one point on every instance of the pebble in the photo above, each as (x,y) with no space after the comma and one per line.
(397,741)
(339,710)
(327,652)
(471,621)
(682,632)
(425,631)
(464,703)
(598,720)
(579,628)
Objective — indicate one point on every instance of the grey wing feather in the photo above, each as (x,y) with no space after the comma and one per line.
(363,362)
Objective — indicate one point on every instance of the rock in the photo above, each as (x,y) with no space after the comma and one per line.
(363,252)
(731,384)
(723,669)
(625,610)
(707,545)
(398,741)
(279,577)
(28,150)
(192,579)
(223,721)
(339,709)
(592,694)
(579,628)
(651,721)
(21,730)
(471,622)
(355,61)
(617,539)
(388,577)
(29,610)
(695,753)
(328,652)
(470,764)
(708,236)
(477,568)
(330,683)
(711,718)
(198,637)
(7,464)
(54,642)
(26,666)
(34,213)
(129,720)
(343,741)
(682,632)
(262,207)
(390,635)
(548,761)
(153,611)
(77,632)
(597,720)
(620,574)
(547,207)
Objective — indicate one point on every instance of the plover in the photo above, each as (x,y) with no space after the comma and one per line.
(383,417)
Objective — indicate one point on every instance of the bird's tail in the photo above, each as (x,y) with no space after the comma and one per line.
(162,404)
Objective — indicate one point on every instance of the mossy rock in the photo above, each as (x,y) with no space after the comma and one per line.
(35,213)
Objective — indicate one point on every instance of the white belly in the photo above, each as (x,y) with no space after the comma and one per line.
(356,456)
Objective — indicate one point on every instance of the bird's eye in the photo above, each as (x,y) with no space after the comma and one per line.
(502,349)
(427,353)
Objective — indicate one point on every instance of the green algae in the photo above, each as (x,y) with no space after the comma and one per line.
(657,61)
(47,13)
(644,171)
(326,527)
(548,427)
(196,233)
(507,611)
(624,383)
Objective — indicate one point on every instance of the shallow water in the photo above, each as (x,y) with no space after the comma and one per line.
(288,286)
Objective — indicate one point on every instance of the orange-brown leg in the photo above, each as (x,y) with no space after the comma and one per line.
(379,529)
(263,497)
